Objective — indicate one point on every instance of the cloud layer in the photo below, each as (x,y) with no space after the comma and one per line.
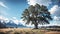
(2,18)
(55,10)
(3,5)
(56,18)
(41,2)
(14,20)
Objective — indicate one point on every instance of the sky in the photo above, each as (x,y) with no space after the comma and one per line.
(13,9)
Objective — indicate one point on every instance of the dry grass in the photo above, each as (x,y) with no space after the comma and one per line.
(26,31)
(52,32)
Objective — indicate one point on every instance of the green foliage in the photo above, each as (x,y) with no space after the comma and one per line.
(36,15)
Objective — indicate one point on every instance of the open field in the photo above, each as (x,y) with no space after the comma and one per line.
(26,31)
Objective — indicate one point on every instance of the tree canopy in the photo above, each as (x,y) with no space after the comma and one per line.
(36,15)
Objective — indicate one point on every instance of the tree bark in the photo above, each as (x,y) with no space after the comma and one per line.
(36,26)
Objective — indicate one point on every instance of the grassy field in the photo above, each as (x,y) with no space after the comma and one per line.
(26,31)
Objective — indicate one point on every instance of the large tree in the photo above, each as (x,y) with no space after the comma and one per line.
(36,15)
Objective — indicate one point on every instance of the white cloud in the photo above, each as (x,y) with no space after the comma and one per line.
(54,9)
(41,2)
(3,5)
(22,22)
(6,20)
(56,18)
(31,2)
(15,20)
(2,18)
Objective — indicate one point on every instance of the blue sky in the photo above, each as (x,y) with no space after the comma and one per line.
(14,8)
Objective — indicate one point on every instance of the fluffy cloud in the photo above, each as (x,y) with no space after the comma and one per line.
(4,19)
(3,5)
(56,18)
(54,9)
(41,2)
(22,22)
(14,19)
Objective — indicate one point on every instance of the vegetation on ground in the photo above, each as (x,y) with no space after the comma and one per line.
(27,31)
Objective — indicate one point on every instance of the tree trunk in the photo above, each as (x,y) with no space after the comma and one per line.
(36,26)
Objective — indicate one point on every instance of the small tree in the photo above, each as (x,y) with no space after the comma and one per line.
(36,15)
